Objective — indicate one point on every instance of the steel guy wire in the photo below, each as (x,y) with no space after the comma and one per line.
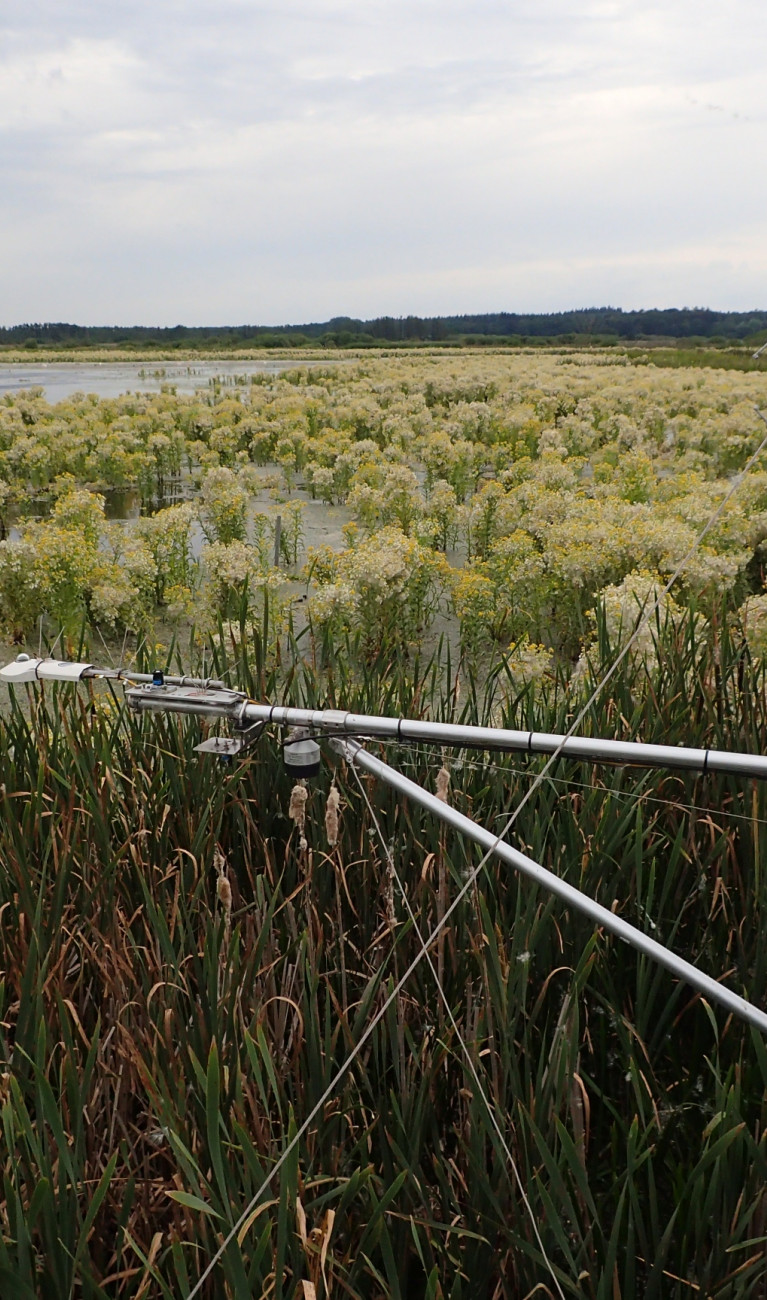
(508,770)
(643,617)
(491,1110)
(625,795)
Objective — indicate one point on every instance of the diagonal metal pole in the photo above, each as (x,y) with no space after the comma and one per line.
(355,754)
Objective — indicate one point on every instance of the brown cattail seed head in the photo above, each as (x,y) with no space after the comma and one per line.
(297,810)
(443,784)
(224,891)
(223,888)
(331,815)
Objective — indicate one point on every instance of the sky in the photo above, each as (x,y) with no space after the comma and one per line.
(244,161)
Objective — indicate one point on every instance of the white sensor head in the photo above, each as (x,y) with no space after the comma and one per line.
(24,669)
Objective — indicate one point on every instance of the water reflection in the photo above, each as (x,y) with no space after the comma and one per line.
(124,504)
(61,379)
(121,505)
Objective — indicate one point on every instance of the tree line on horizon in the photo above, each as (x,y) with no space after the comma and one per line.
(598,325)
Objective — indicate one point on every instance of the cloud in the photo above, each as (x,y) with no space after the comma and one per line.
(255,161)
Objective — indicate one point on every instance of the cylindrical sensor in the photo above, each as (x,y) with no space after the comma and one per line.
(301,753)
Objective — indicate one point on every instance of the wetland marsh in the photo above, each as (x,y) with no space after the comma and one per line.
(183,970)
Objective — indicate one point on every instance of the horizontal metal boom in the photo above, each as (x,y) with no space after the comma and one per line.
(336,721)
(205,697)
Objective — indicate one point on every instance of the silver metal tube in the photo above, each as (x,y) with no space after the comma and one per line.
(143,700)
(497,738)
(183,706)
(404,729)
(127,675)
(684,970)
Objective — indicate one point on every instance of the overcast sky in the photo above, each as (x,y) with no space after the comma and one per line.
(231,161)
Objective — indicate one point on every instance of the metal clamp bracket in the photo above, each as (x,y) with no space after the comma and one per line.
(227,747)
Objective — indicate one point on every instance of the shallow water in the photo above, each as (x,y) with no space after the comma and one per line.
(60,379)
(121,505)
(322,524)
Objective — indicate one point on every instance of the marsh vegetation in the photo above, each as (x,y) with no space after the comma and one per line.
(182,976)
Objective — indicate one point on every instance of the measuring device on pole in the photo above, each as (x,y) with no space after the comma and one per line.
(211,699)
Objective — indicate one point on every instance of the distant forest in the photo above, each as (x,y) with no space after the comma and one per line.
(601,325)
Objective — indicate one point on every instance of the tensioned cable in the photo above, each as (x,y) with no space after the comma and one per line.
(464,1046)
(644,615)
(417,750)
(624,796)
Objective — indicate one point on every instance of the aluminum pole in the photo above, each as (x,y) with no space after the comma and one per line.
(684,970)
(498,738)
(210,697)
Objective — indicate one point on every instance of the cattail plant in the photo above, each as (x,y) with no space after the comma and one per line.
(332,809)
(179,992)
(297,811)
